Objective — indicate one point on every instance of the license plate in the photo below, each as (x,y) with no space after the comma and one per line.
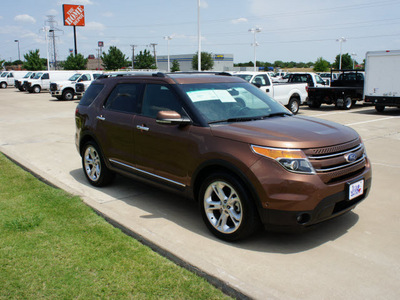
(356,189)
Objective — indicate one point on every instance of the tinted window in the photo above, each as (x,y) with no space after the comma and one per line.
(91,94)
(45,76)
(159,97)
(124,98)
(262,80)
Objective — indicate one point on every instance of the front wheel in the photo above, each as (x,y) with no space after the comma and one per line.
(226,207)
(294,105)
(94,167)
(68,95)
(36,89)
(3,85)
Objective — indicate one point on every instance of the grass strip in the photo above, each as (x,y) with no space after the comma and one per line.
(52,246)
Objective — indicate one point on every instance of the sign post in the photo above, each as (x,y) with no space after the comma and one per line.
(74,15)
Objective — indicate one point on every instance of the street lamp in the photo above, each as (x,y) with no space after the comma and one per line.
(255,44)
(168,38)
(340,40)
(19,55)
(353,55)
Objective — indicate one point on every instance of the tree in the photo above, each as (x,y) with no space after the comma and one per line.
(207,61)
(144,60)
(33,62)
(77,62)
(114,59)
(347,62)
(175,66)
(321,65)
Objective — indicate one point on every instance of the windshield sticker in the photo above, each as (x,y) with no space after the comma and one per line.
(207,95)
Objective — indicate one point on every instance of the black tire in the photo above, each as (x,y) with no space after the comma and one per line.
(68,95)
(36,89)
(314,104)
(347,103)
(293,105)
(93,165)
(380,108)
(3,85)
(232,215)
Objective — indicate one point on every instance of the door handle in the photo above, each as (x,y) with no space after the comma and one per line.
(142,128)
(101,118)
(267,90)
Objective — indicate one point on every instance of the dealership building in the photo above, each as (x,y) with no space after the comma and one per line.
(222,62)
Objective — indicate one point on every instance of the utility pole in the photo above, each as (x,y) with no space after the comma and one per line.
(154,51)
(51,22)
(133,56)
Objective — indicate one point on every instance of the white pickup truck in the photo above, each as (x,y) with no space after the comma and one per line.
(66,89)
(290,95)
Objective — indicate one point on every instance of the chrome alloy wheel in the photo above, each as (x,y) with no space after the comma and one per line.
(92,163)
(223,207)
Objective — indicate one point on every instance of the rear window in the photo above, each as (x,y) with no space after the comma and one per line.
(91,94)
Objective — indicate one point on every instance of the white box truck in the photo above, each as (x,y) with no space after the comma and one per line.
(382,83)
(42,80)
(66,89)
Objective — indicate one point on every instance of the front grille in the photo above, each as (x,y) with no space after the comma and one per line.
(331,164)
(53,87)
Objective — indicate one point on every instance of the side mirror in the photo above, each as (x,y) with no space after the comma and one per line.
(172,118)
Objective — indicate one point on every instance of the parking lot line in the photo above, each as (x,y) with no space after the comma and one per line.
(370,121)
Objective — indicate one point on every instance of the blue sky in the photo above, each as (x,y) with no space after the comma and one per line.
(292,30)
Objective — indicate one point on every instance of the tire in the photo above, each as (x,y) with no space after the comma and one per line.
(36,89)
(294,105)
(227,208)
(314,104)
(94,167)
(3,85)
(68,95)
(347,103)
(380,108)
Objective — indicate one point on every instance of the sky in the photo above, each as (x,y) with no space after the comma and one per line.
(291,30)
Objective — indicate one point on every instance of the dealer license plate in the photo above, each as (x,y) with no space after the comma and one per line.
(356,189)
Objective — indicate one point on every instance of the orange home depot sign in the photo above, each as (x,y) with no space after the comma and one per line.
(74,15)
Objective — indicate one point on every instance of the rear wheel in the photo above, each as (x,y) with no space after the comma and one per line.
(36,89)
(380,108)
(347,103)
(94,167)
(294,105)
(314,103)
(226,207)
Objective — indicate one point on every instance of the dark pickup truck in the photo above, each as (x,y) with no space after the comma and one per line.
(343,92)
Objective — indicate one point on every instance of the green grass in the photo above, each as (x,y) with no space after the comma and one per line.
(52,246)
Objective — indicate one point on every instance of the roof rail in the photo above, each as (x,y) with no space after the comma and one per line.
(202,72)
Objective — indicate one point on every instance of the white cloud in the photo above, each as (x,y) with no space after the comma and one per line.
(77,2)
(240,20)
(108,14)
(25,19)
(95,26)
(52,12)
(203,4)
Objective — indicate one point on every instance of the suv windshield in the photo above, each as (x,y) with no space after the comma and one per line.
(232,102)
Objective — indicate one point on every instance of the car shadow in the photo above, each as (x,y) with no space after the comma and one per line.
(158,203)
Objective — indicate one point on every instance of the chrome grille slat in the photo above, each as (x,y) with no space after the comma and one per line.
(335,154)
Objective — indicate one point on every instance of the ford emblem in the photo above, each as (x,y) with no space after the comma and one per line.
(350,157)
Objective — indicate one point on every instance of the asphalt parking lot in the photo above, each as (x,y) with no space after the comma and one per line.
(356,256)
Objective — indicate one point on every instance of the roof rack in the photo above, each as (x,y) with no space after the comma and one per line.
(202,72)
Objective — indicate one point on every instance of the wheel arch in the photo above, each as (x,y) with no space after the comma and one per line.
(214,166)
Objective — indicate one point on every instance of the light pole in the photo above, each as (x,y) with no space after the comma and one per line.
(168,38)
(340,40)
(255,44)
(353,55)
(198,38)
(19,55)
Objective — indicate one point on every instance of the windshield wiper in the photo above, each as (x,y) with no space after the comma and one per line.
(278,114)
(239,119)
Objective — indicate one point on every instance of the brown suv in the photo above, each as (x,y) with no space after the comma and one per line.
(223,142)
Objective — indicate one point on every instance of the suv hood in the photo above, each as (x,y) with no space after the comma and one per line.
(287,132)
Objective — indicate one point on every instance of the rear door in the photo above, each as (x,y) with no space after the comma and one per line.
(114,124)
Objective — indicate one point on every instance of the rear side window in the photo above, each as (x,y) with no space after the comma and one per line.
(91,94)
(124,98)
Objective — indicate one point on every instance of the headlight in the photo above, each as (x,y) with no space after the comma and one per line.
(293,160)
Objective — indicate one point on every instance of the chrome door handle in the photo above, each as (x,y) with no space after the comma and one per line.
(143,128)
(101,118)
